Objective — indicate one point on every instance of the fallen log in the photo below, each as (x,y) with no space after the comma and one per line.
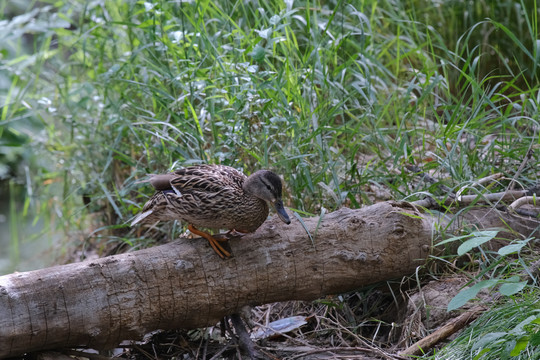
(99,303)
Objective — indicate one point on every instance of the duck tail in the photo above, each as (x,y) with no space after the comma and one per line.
(141,217)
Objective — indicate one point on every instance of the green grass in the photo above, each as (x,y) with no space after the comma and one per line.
(310,91)
(508,331)
(335,96)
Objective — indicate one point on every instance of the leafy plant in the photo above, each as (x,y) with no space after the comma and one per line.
(508,285)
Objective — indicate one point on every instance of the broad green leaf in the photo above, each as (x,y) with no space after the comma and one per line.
(489,233)
(265,33)
(275,19)
(480,238)
(258,53)
(465,295)
(520,346)
(475,234)
(512,248)
(512,288)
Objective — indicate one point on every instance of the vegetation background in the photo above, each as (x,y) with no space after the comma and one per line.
(338,97)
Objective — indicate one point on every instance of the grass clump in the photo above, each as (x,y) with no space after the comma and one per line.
(511,330)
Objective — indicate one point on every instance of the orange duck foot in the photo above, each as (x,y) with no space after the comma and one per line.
(213,242)
(231,234)
(236,233)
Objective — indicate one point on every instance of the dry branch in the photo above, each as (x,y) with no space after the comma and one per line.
(454,325)
(99,303)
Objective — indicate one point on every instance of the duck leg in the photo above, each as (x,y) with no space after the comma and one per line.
(213,242)
(237,233)
(231,234)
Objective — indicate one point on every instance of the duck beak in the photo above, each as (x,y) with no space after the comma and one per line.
(278,205)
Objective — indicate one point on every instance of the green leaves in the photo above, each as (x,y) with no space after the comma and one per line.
(478,238)
(258,53)
(507,286)
(513,248)
(512,286)
(465,295)
(513,342)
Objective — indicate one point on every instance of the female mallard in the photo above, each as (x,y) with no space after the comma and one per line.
(215,197)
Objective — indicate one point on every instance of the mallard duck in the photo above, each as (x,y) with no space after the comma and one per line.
(214,197)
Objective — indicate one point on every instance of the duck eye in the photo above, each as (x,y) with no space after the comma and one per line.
(269,187)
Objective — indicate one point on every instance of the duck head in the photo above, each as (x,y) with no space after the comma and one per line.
(267,186)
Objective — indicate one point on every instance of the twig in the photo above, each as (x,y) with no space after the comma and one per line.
(443,332)
(482,181)
(510,195)
(516,206)
(527,212)
(524,201)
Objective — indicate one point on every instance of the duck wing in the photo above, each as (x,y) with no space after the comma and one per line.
(204,180)
(192,191)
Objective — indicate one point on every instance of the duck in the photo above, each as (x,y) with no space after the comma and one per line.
(214,197)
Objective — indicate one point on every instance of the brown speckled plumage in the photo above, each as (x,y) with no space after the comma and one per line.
(215,197)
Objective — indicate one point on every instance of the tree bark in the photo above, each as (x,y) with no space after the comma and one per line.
(183,284)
